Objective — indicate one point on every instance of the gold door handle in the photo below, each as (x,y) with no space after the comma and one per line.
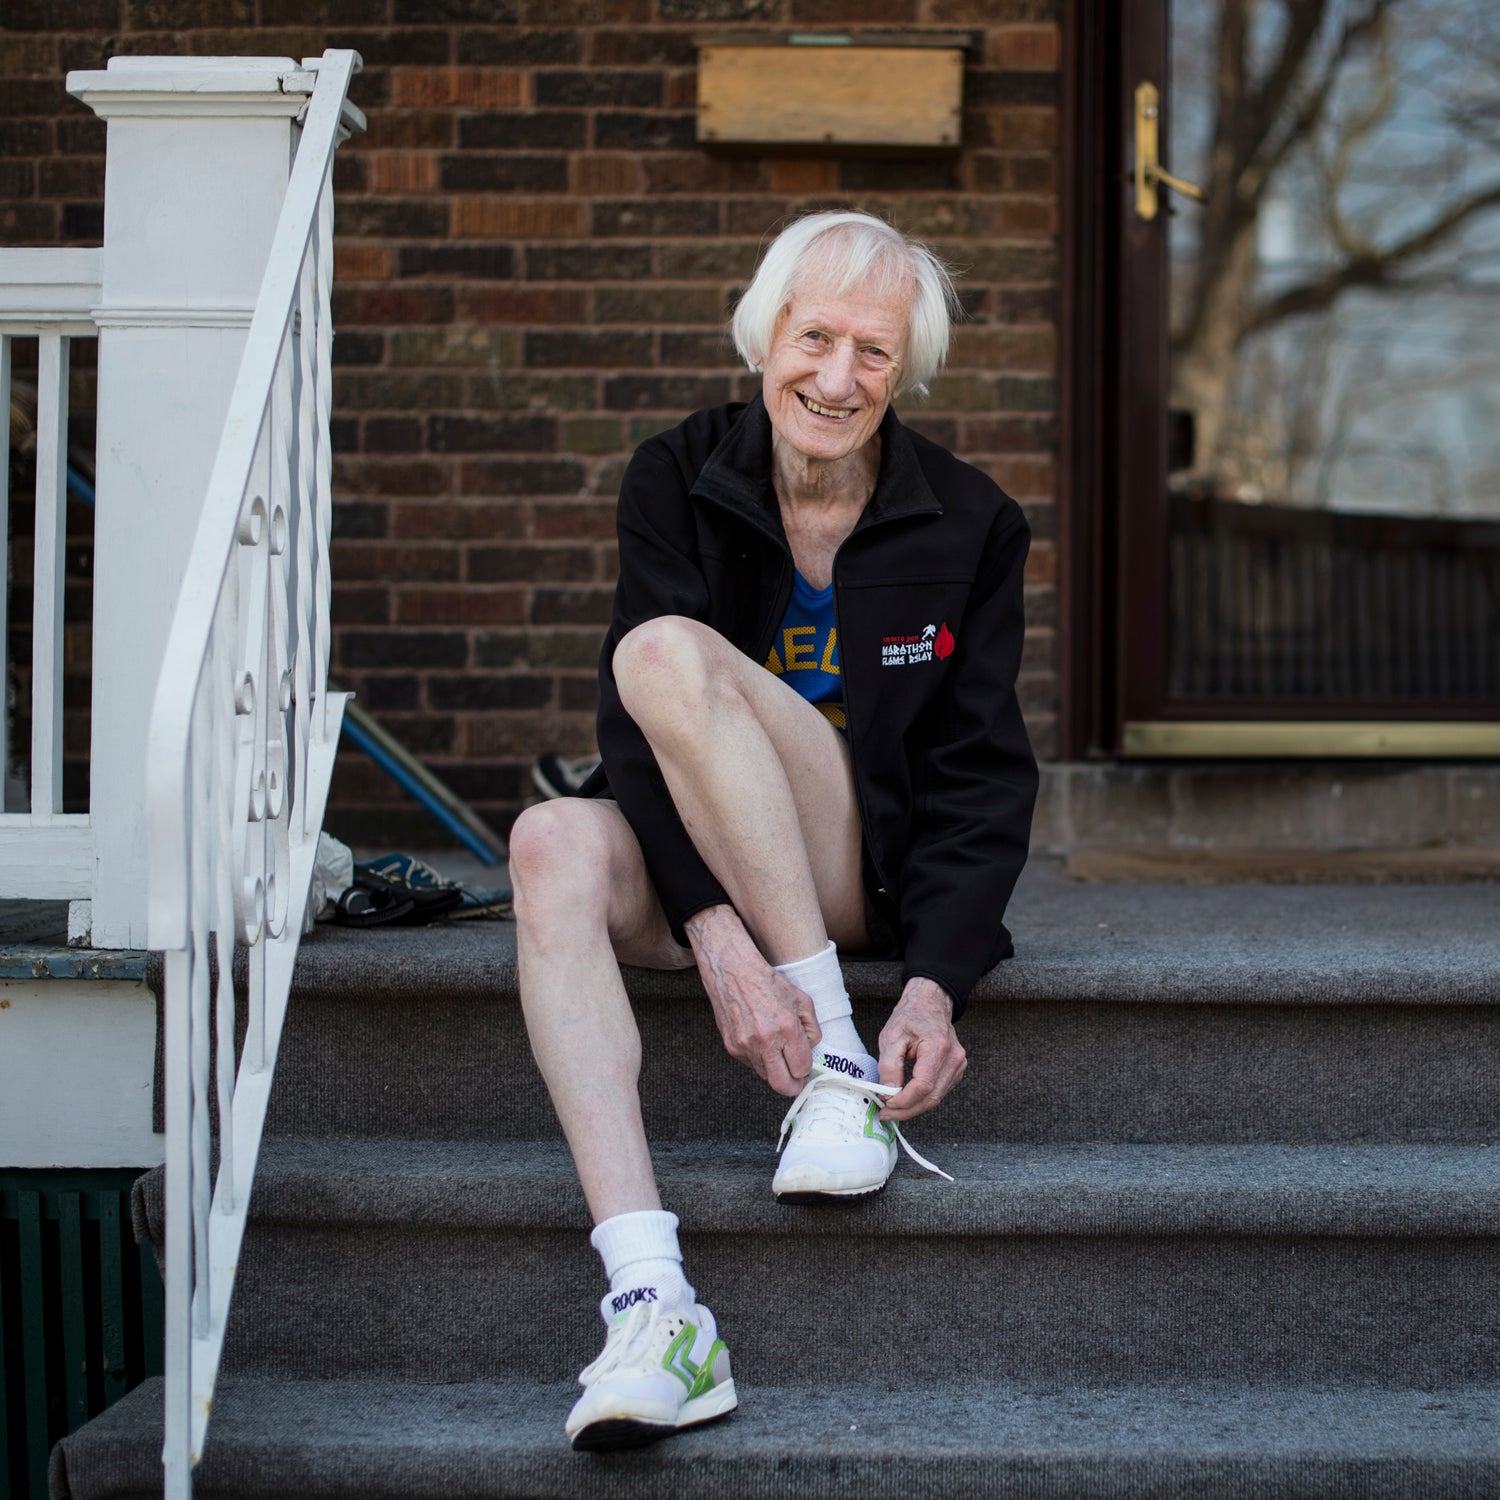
(1148,169)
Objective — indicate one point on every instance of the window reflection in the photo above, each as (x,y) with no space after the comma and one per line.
(1335,339)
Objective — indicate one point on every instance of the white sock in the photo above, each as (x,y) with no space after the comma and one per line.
(642,1261)
(822,980)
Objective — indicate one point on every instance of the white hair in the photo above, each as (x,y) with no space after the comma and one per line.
(835,254)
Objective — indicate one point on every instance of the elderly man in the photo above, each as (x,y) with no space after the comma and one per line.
(811,744)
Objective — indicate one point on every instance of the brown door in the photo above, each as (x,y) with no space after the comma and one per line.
(1298,527)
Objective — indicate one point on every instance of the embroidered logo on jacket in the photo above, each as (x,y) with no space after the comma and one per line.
(935,641)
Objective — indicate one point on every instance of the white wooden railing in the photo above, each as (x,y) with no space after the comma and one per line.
(47,295)
(241,744)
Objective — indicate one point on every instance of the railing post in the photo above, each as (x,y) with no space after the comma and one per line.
(199,152)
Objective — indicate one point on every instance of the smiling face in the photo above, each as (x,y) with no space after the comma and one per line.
(833,366)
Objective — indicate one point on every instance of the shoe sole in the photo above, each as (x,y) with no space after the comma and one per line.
(828,1196)
(630,1432)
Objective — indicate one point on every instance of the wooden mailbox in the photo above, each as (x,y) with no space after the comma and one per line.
(830,95)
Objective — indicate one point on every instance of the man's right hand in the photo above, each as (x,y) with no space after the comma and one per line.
(765,1020)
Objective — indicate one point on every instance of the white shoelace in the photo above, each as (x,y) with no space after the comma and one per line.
(829,1095)
(631,1340)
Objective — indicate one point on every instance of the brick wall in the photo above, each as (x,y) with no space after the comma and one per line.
(533,272)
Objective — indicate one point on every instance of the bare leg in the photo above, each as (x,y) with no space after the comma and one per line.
(584,903)
(760,779)
(762,782)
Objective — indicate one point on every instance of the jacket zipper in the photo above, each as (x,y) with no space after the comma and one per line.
(859,800)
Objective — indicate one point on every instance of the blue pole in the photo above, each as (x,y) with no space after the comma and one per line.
(404,779)
(80,486)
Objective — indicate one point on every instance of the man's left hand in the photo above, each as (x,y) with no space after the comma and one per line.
(920,1031)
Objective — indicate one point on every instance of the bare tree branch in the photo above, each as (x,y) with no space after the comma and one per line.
(1261,167)
(1374,270)
(1357,131)
(1304,23)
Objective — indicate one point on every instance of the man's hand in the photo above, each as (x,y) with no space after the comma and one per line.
(765,1020)
(920,1031)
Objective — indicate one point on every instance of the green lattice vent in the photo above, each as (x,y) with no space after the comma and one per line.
(80,1312)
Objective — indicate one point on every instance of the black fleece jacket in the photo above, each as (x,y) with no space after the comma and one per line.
(927,589)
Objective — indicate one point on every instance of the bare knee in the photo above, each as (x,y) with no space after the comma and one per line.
(670,671)
(559,864)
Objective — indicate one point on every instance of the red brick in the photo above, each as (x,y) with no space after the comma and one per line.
(1010,435)
(406,129)
(520,734)
(1025,219)
(558,521)
(863,12)
(485,218)
(23,55)
(461,606)
(360,263)
(589,606)
(401,172)
(362,561)
(521,476)
(61,15)
(383,305)
(614,173)
(522,304)
(1003,350)
(680,90)
(392,435)
(637,48)
(355,606)
(18,179)
(810,176)
(1041,564)
(584,12)
(463,88)
(1024,478)
(396,477)
(690,172)
(1023,129)
(1025,47)
(530,564)
(459,521)
(1011,172)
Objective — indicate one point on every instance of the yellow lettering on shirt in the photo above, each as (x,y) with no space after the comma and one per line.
(800,655)
(773,663)
(829,664)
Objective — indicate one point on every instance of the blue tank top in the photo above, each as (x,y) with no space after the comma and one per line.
(805,652)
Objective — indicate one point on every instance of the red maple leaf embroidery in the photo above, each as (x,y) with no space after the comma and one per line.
(942,647)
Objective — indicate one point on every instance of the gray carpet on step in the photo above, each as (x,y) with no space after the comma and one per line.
(1228,1226)
(1242,943)
(441,1065)
(843,1441)
(1379,1192)
(1127,1267)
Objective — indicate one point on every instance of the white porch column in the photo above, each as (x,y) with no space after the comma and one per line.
(199,152)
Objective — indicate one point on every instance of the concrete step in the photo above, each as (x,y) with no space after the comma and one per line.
(1315,1265)
(1131,1013)
(847,1440)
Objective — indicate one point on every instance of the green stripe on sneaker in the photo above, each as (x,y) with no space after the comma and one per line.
(679,1362)
(705,1379)
(876,1128)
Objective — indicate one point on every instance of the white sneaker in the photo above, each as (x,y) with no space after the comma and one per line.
(661,1371)
(839,1146)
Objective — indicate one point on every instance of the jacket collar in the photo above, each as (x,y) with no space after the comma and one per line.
(738,475)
